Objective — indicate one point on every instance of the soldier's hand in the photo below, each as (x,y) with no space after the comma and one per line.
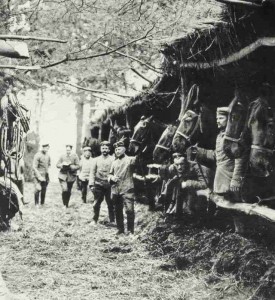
(92,188)
(191,153)
(183,185)
(235,187)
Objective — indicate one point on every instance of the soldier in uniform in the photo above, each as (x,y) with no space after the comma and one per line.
(68,164)
(230,172)
(41,164)
(84,171)
(183,180)
(122,190)
(98,181)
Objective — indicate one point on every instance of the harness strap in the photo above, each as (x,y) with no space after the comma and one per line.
(229,138)
(257,147)
(163,147)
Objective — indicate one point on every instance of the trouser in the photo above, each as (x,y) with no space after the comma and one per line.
(126,200)
(40,188)
(84,188)
(99,193)
(66,187)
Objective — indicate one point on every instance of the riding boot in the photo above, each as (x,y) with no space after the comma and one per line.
(36,198)
(68,198)
(96,213)
(111,213)
(130,222)
(43,195)
(64,196)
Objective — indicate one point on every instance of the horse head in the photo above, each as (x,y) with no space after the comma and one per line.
(140,135)
(261,128)
(163,148)
(189,122)
(234,139)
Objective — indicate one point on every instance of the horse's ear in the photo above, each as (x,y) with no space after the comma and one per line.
(150,118)
(192,97)
(142,118)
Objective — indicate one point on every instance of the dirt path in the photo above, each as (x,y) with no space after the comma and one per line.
(59,255)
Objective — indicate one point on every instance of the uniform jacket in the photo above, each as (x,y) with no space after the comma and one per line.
(100,170)
(41,164)
(69,173)
(123,168)
(85,168)
(228,170)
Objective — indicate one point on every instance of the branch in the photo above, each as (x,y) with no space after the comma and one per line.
(30,38)
(68,58)
(93,90)
(133,58)
(140,75)
(105,98)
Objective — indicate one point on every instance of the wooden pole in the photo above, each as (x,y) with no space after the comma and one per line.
(33,38)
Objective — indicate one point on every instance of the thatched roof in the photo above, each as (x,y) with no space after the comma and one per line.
(219,46)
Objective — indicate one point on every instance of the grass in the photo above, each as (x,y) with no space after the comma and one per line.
(57,254)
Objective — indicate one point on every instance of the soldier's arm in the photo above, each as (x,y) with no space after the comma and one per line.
(197,182)
(75,166)
(206,157)
(59,163)
(35,167)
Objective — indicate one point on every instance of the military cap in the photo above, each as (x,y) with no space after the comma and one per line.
(87,148)
(45,145)
(105,143)
(223,111)
(120,143)
(178,155)
(69,145)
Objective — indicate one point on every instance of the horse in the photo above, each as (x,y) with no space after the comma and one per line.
(197,124)
(142,143)
(119,132)
(235,143)
(146,134)
(163,148)
(261,126)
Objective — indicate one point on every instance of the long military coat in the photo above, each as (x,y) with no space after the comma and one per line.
(228,170)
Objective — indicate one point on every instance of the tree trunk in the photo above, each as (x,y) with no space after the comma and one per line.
(79,126)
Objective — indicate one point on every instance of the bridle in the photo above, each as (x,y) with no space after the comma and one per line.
(163,147)
(241,138)
(193,114)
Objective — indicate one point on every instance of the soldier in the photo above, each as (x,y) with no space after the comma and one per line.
(98,181)
(229,171)
(85,168)
(68,164)
(183,179)
(41,164)
(121,179)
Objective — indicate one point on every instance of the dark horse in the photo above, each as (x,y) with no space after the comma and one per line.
(197,124)
(142,143)
(235,143)
(163,148)
(260,133)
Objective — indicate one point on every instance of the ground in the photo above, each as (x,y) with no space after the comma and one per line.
(59,255)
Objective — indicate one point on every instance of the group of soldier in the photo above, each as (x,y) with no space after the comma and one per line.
(109,177)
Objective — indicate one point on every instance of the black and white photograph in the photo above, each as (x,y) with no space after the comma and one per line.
(137,149)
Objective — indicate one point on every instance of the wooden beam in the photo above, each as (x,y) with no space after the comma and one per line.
(266,41)
(30,38)
(246,208)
